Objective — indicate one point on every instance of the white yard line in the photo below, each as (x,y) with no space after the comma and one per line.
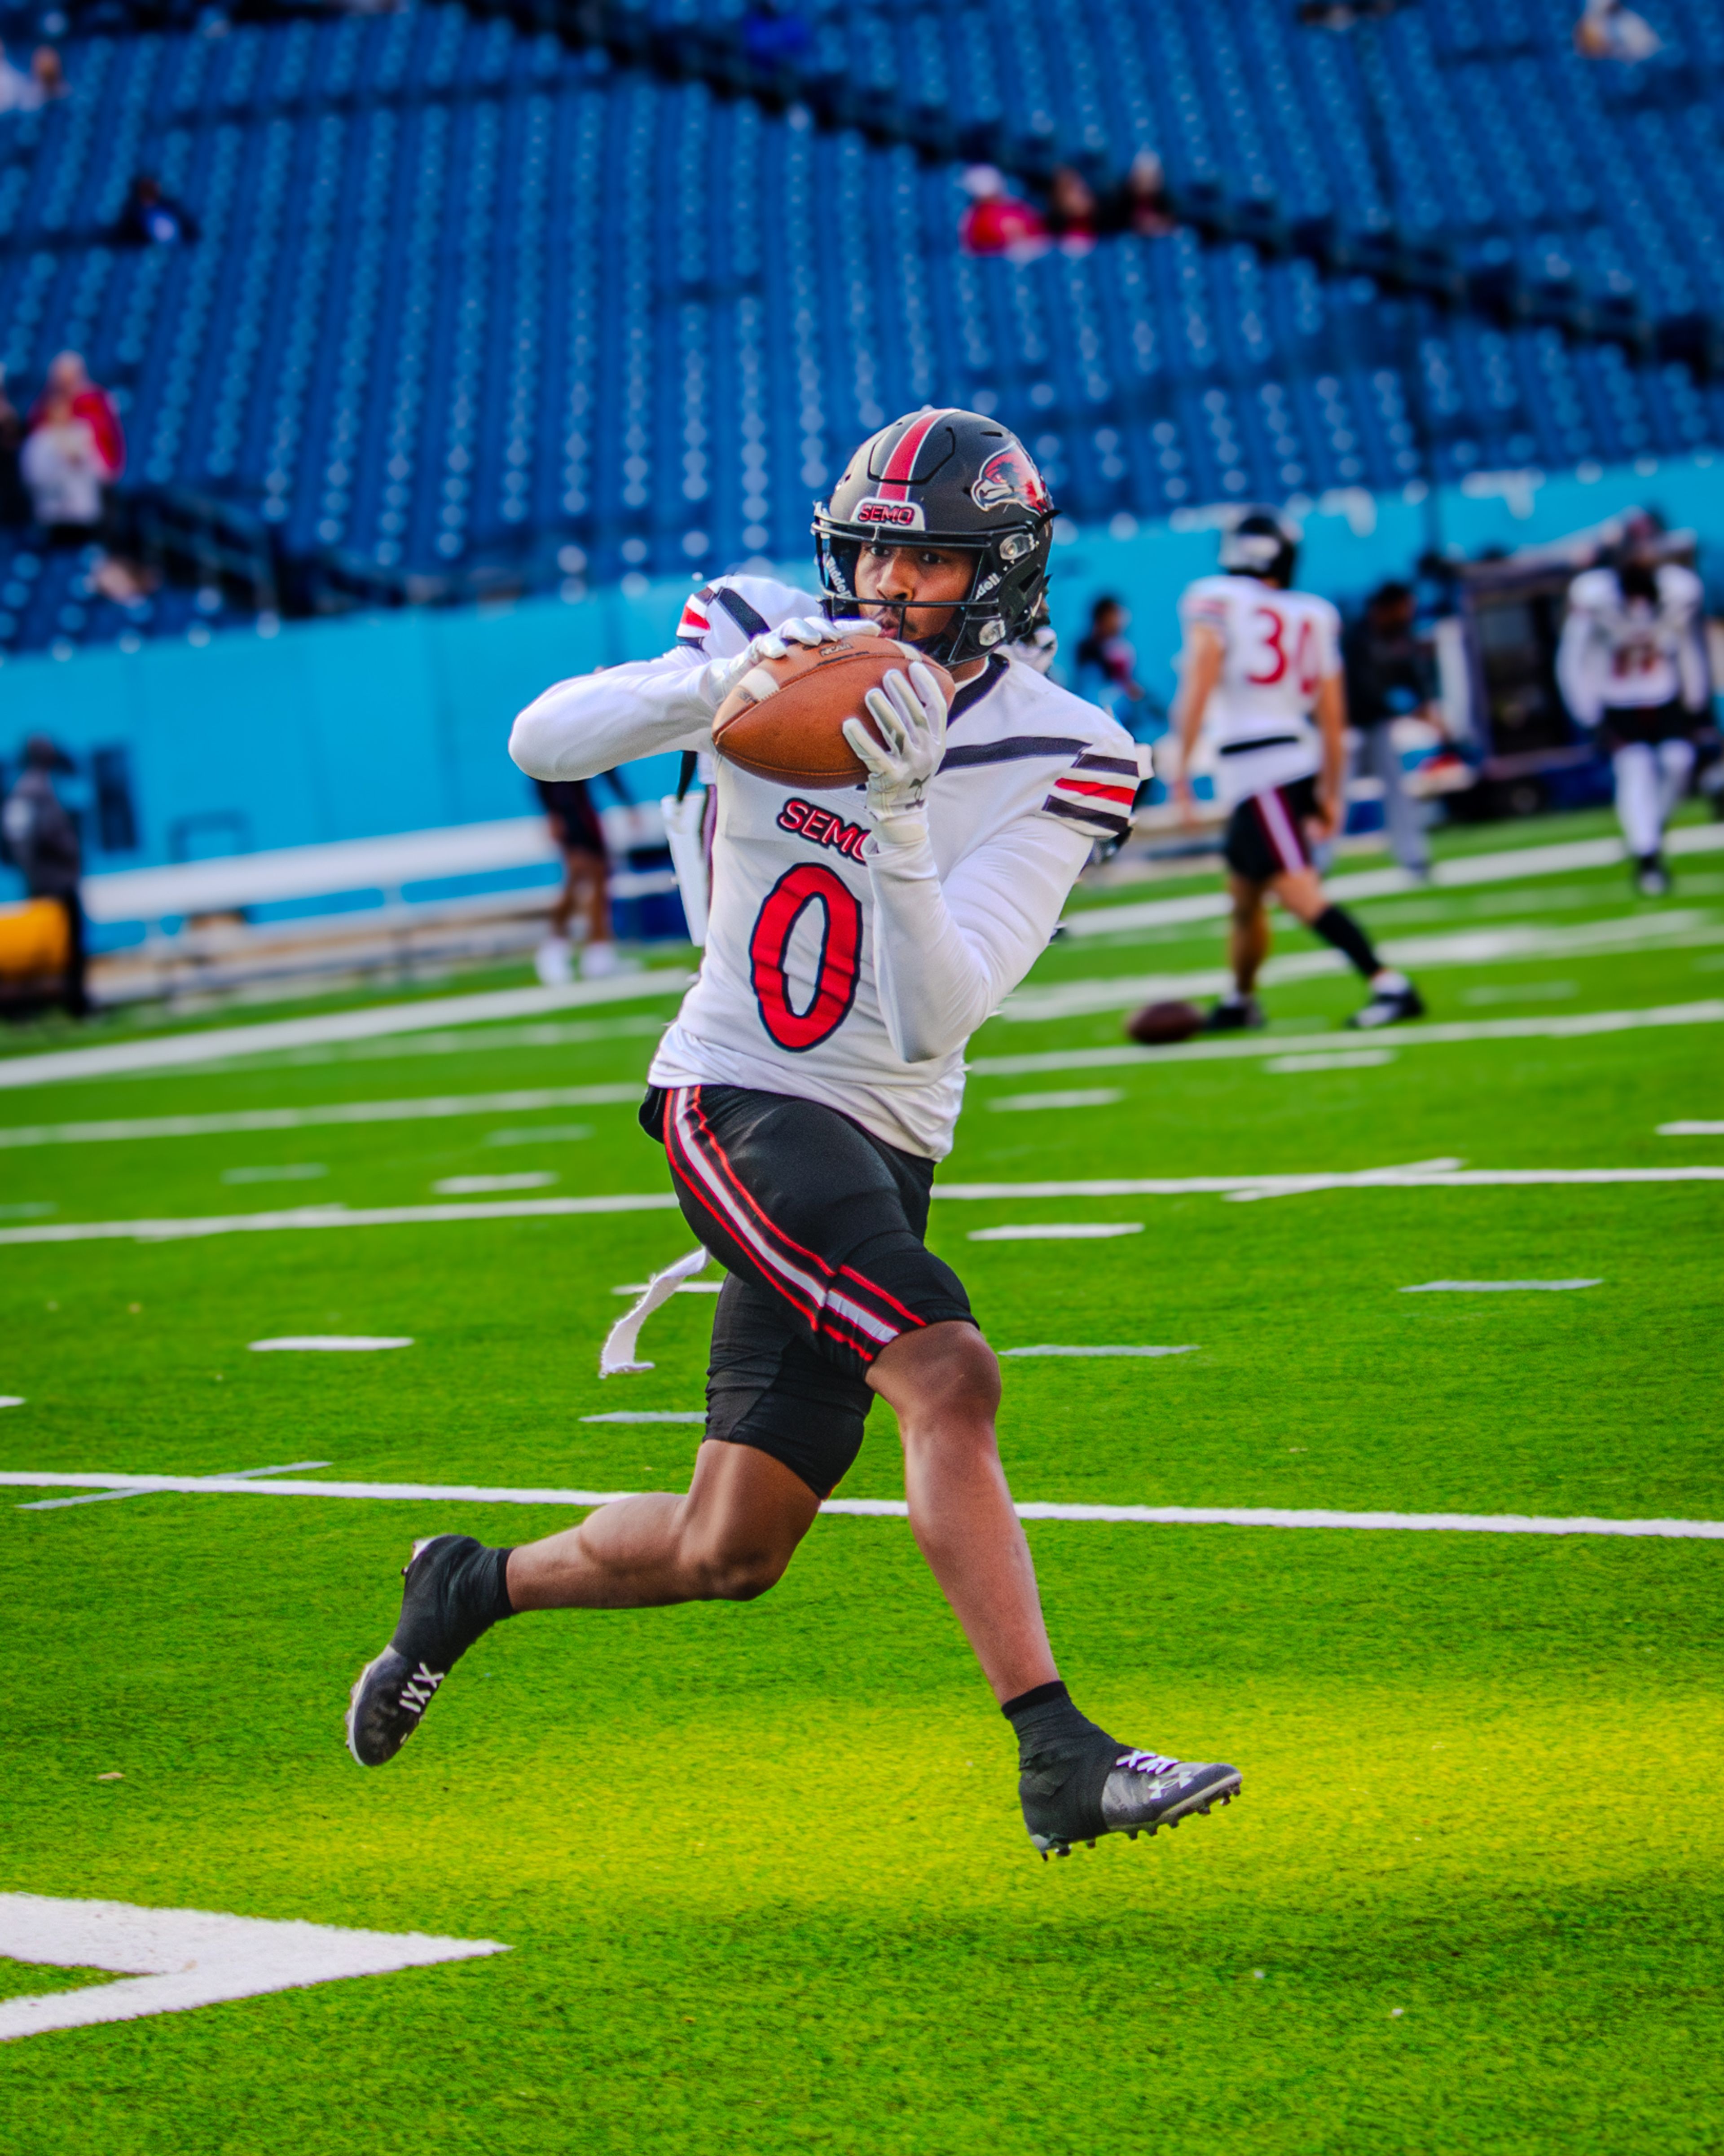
(431,1108)
(330,1343)
(1690,1130)
(1057,1231)
(1046,1350)
(892,1508)
(1571,1025)
(174,1959)
(107,1496)
(1466,872)
(337,1216)
(1512,944)
(1417,1176)
(174,1051)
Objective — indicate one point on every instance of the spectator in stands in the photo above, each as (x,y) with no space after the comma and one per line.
(1073,214)
(586,875)
(15,507)
(1609,31)
(74,452)
(43,845)
(1107,668)
(1141,205)
(151,219)
(27,91)
(996,222)
(1389,675)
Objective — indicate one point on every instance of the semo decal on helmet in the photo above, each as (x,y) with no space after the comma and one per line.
(900,515)
(1009,476)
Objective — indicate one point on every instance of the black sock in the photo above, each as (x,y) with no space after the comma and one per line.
(453,1603)
(1047,1723)
(1336,926)
(1064,1761)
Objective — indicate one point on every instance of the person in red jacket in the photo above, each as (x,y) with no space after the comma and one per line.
(68,383)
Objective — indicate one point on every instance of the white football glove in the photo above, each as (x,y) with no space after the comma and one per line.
(910,714)
(809,630)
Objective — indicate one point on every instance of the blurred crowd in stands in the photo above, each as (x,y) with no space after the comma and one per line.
(1074,216)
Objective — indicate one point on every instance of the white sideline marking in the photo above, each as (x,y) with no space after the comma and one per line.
(12,1399)
(1414,954)
(1098,1351)
(691,1414)
(107,1496)
(1342,1058)
(339,1216)
(476,1186)
(1690,1130)
(431,1109)
(1414,1175)
(1090,1096)
(174,1051)
(888,1508)
(1509,866)
(1494,1287)
(298,1171)
(688,1287)
(1058,1231)
(178,1958)
(329,1344)
(1572,1025)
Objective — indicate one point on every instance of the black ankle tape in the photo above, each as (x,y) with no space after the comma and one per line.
(1042,1694)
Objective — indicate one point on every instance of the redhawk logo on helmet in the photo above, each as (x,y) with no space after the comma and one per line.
(1009,476)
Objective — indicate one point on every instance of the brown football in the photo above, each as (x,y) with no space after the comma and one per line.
(784,720)
(1160,1025)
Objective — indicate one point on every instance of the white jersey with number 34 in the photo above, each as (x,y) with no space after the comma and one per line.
(1277,647)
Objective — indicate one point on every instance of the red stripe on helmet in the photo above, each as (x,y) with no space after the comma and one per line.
(900,466)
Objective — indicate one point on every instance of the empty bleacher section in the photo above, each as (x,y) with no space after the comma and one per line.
(491,301)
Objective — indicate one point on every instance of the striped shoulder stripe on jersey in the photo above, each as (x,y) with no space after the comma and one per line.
(838,1300)
(1096,794)
(696,618)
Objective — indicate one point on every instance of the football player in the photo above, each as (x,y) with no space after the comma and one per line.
(810,1084)
(1631,664)
(1261,662)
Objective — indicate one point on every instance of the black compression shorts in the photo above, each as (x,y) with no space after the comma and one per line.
(819,1224)
(1265,833)
(1623,725)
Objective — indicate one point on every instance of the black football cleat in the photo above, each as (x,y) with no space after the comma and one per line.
(450,1580)
(1235,1014)
(1133,1793)
(1387,1007)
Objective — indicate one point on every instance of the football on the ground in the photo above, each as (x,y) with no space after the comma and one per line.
(784,720)
(1160,1025)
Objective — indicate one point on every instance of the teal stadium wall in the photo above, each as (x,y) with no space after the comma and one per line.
(367,726)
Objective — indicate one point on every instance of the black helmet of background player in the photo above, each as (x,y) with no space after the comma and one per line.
(946,479)
(1637,554)
(1260,545)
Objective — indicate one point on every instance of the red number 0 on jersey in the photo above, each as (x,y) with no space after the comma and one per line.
(1271,626)
(810,883)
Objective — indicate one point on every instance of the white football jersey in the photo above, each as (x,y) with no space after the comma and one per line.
(1278,648)
(1625,654)
(787,1000)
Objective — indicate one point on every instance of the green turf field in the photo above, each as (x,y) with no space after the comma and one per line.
(761,1868)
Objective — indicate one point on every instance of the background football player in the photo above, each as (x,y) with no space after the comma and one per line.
(811,1082)
(1261,674)
(1632,664)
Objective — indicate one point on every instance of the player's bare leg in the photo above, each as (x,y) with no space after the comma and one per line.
(943,1383)
(728,1540)
(1247,948)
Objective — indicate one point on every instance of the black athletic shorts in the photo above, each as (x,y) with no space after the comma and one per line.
(1265,833)
(819,1224)
(1624,724)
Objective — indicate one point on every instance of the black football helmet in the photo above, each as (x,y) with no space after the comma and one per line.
(947,479)
(1260,545)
